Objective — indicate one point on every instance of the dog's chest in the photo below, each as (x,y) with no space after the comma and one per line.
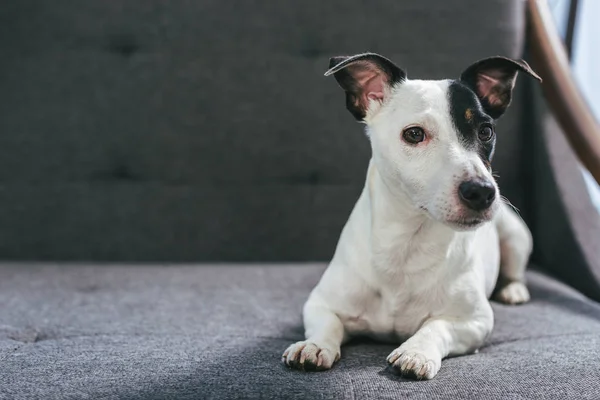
(400,305)
(406,286)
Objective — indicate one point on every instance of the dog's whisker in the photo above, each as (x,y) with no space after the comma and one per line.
(507,202)
(511,205)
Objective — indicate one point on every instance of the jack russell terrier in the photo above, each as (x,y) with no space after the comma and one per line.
(429,237)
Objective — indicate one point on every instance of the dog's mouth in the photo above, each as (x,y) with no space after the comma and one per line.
(468,222)
(463,220)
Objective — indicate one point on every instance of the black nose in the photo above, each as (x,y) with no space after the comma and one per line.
(477,195)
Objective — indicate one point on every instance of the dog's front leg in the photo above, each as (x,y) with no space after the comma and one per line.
(324,336)
(515,247)
(421,355)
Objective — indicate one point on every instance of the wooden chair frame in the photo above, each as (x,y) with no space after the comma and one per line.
(550,59)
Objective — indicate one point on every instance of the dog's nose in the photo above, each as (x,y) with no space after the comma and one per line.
(477,195)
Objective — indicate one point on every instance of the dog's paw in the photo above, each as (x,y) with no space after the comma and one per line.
(513,293)
(309,356)
(413,363)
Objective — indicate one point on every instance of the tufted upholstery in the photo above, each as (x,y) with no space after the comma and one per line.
(205,130)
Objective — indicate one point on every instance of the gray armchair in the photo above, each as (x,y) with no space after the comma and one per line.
(174,177)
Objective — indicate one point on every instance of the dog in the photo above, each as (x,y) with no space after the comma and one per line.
(429,240)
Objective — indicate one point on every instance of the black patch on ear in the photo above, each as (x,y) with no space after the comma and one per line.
(495,97)
(333,61)
(338,67)
(468,116)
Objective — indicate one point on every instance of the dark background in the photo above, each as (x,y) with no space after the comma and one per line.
(205,130)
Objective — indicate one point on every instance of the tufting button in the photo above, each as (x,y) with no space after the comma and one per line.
(122,172)
(311,48)
(123,44)
(119,172)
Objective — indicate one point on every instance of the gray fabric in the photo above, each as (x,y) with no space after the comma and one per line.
(195,332)
(205,130)
(565,223)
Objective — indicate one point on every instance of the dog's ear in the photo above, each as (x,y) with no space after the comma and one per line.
(364,77)
(493,80)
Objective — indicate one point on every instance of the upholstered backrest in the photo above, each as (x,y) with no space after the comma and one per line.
(205,130)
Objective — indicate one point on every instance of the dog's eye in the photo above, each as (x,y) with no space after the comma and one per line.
(486,133)
(413,135)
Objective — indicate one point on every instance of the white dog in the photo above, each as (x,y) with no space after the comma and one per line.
(428,238)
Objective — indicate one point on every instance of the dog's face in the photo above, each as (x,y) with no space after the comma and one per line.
(433,140)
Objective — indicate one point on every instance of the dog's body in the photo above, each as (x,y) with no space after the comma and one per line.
(423,248)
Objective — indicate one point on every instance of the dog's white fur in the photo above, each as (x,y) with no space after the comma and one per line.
(406,266)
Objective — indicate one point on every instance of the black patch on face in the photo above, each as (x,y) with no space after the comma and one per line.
(468,117)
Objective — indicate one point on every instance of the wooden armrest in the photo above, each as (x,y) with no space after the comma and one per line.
(561,91)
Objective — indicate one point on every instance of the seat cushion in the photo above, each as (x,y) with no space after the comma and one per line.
(155,331)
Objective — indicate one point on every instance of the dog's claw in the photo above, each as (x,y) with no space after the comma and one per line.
(393,357)
(306,355)
(414,364)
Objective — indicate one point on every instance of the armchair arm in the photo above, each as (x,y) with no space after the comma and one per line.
(564,97)
(565,223)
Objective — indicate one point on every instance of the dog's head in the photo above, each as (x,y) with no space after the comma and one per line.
(434,140)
